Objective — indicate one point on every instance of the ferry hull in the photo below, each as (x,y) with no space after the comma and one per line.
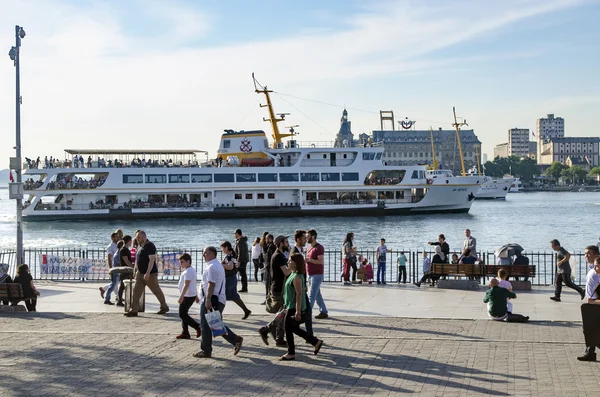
(229,213)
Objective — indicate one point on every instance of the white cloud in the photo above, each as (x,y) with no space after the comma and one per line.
(88,82)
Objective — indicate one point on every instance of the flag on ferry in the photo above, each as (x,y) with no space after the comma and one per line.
(10,176)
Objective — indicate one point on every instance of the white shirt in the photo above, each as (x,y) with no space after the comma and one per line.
(188,274)
(214,272)
(112,249)
(591,283)
(505,284)
(256,251)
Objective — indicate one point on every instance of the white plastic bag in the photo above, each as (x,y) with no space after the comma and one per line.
(574,263)
(215,323)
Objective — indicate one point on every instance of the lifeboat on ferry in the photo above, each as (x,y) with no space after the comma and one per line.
(257,162)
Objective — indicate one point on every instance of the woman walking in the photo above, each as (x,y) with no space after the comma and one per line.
(294,300)
(349,259)
(257,259)
(231,268)
(188,294)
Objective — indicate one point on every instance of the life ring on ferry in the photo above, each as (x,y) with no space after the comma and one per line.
(430,181)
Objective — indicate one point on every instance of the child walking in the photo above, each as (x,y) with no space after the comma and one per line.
(188,294)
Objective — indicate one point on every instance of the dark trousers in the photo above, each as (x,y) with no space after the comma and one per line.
(257,268)
(186,320)
(30,304)
(243,276)
(515,318)
(425,278)
(267,283)
(354,269)
(590,314)
(121,289)
(566,278)
(292,327)
(402,274)
(206,340)
(308,311)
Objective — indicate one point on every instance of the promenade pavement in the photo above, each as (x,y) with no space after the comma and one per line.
(369,349)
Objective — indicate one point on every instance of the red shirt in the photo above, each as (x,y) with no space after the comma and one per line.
(313,255)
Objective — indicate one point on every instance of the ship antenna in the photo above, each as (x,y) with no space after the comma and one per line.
(460,152)
(277,136)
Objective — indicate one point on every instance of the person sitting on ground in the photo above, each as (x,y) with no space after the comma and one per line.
(361,273)
(496,299)
(4,278)
(30,293)
(504,283)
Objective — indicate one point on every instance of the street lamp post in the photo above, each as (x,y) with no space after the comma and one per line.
(18,164)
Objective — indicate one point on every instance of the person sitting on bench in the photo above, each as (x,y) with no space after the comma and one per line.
(496,298)
(4,278)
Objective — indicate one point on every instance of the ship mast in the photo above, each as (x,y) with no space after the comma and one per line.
(277,136)
(460,152)
(435,164)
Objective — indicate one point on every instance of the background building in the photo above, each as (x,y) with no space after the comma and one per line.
(547,128)
(409,147)
(501,150)
(345,133)
(559,149)
(518,142)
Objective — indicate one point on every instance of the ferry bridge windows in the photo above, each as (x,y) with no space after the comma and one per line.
(330,176)
(415,175)
(224,178)
(289,177)
(378,157)
(201,178)
(385,177)
(179,178)
(349,176)
(368,156)
(156,178)
(226,144)
(267,177)
(309,177)
(245,178)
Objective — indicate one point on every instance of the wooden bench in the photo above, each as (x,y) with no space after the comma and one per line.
(511,270)
(449,269)
(12,292)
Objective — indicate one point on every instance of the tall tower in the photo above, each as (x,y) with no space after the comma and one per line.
(345,132)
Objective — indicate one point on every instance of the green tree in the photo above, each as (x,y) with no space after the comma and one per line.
(492,169)
(555,170)
(595,171)
(579,173)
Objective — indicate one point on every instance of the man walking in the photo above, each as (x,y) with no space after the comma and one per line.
(213,298)
(563,272)
(241,255)
(315,268)
(589,313)
(470,243)
(111,252)
(146,275)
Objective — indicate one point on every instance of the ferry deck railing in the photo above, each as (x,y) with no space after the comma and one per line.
(545,263)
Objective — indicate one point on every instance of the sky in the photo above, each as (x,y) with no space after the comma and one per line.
(151,74)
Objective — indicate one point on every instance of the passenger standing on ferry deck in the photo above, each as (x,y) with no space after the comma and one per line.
(315,264)
(563,272)
(147,275)
(241,254)
(111,251)
(257,259)
(298,248)
(444,245)
(348,257)
(470,243)
(231,268)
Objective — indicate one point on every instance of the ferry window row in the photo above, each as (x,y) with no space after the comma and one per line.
(250,196)
(242,177)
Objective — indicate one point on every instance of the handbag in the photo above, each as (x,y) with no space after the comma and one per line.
(273,303)
(279,319)
(213,318)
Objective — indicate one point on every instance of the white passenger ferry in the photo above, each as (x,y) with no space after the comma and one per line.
(249,178)
(490,188)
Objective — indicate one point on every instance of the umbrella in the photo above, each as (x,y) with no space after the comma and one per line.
(508,250)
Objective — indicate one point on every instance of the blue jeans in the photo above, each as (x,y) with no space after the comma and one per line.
(381,271)
(315,292)
(113,285)
(206,341)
